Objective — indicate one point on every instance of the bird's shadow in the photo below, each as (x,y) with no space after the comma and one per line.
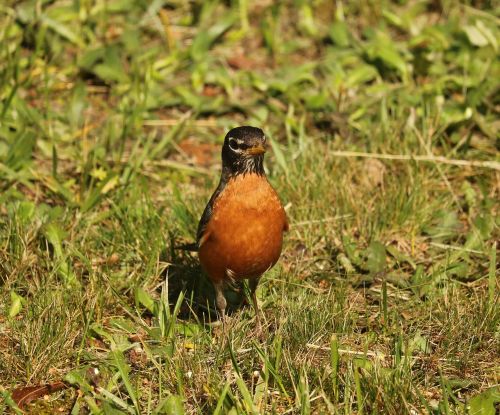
(185,276)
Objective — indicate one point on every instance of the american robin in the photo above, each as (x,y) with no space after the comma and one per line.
(240,233)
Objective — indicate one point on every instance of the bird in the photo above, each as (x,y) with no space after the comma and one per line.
(240,233)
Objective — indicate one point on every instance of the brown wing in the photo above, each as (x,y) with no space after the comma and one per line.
(202,234)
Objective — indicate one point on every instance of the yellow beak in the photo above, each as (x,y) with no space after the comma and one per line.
(254,151)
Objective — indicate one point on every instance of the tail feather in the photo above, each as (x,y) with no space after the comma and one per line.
(191,247)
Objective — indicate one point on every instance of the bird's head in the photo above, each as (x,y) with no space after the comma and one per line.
(243,151)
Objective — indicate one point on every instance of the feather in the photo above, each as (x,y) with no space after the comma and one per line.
(207,213)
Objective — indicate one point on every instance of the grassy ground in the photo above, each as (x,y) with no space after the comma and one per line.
(385,300)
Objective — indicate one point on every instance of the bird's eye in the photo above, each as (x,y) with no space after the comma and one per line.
(233,144)
(244,146)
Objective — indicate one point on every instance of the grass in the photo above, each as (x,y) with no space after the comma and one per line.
(385,299)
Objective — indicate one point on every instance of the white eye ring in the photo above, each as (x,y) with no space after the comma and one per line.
(233,144)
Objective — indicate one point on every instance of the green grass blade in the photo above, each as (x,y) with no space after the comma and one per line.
(124,370)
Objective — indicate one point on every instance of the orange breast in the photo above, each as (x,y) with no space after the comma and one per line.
(245,233)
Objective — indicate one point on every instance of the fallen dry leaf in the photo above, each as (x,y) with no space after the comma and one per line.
(241,62)
(373,173)
(211,91)
(324,284)
(25,394)
(202,154)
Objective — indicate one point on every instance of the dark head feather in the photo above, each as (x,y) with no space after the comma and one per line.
(243,151)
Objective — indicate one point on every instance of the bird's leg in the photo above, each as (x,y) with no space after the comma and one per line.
(220,300)
(253,282)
